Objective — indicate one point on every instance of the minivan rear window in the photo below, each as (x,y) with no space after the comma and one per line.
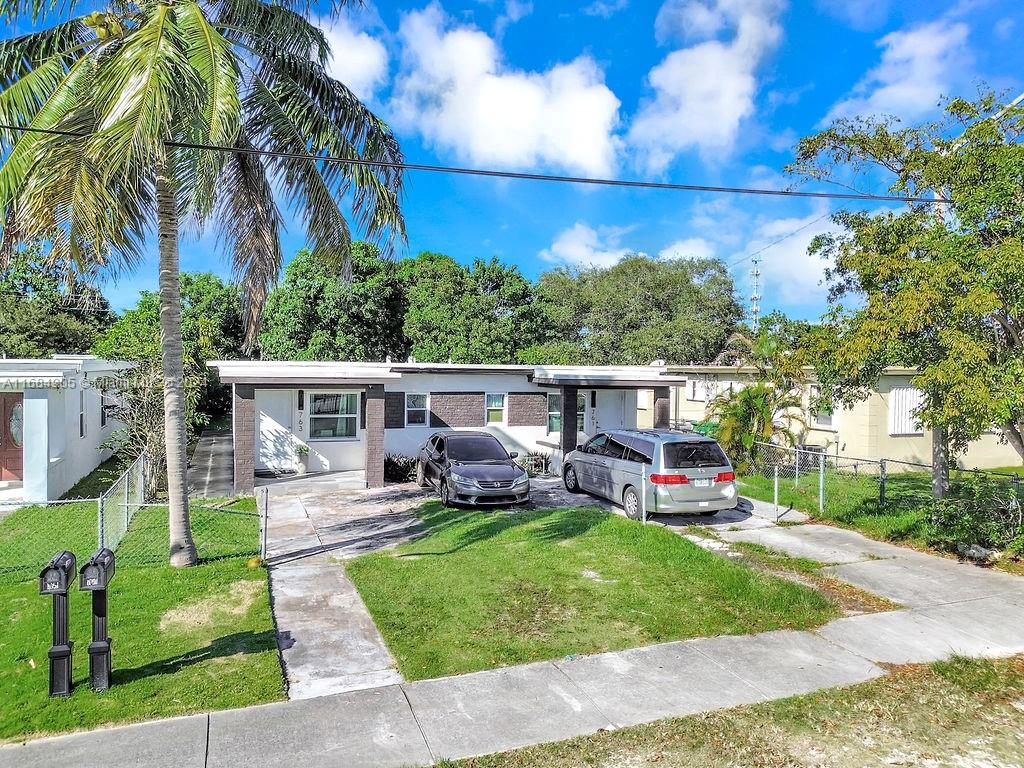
(694,454)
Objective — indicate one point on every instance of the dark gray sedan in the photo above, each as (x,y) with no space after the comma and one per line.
(471,468)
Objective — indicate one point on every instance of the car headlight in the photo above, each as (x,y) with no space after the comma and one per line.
(523,479)
(462,479)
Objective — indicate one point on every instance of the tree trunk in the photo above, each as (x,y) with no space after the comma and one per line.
(940,463)
(182,548)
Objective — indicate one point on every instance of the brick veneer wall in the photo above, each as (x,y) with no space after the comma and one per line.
(375,436)
(243,419)
(662,408)
(394,410)
(527,409)
(456,409)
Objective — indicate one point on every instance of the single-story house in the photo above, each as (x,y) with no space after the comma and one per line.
(348,415)
(52,423)
(881,427)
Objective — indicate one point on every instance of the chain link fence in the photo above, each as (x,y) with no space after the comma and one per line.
(123,519)
(808,479)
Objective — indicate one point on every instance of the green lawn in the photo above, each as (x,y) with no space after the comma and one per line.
(490,589)
(954,713)
(184,640)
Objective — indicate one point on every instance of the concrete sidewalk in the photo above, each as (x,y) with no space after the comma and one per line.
(952,608)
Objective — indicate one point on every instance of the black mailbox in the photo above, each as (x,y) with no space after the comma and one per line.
(95,578)
(58,575)
(54,580)
(97,571)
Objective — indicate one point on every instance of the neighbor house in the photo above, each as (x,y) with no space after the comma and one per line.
(52,424)
(881,427)
(342,416)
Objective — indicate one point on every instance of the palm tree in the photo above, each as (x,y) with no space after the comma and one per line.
(118,102)
(768,353)
(759,413)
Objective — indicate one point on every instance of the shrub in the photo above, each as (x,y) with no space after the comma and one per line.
(399,468)
(535,463)
(984,512)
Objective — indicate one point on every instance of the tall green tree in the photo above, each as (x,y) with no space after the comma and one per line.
(120,91)
(44,311)
(318,312)
(639,310)
(484,314)
(936,287)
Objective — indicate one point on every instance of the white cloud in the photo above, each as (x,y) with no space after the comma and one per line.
(515,10)
(583,246)
(456,90)
(689,248)
(859,14)
(703,92)
(790,275)
(918,66)
(605,8)
(358,60)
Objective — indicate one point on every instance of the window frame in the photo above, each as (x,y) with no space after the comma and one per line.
(83,420)
(814,393)
(581,412)
(354,416)
(917,429)
(425,409)
(489,408)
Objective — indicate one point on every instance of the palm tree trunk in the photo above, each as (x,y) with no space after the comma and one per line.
(182,548)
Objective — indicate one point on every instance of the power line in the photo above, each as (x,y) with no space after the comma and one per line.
(773,243)
(457,170)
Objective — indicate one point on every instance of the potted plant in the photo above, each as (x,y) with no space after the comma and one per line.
(303,452)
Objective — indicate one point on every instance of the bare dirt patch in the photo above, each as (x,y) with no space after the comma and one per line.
(235,601)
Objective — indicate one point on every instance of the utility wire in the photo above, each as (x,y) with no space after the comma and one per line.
(773,243)
(516,175)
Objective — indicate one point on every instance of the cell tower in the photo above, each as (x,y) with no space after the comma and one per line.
(755,292)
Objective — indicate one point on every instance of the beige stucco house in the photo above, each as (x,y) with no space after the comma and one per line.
(880,427)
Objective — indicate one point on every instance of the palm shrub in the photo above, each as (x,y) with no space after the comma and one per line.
(118,101)
(759,413)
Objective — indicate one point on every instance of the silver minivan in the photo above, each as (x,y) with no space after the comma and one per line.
(671,472)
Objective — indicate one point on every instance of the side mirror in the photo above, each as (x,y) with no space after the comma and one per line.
(513,454)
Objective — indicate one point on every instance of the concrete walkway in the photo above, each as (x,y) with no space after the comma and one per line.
(952,608)
(211,470)
(328,642)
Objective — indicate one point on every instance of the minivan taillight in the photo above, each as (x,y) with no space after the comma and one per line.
(669,479)
(725,477)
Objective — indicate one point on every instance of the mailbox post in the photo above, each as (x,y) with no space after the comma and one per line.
(95,577)
(54,580)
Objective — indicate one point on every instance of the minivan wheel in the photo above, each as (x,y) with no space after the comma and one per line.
(631,503)
(421,476)
(446,500)
(572,483)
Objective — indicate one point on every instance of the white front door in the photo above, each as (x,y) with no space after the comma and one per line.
(275,448)
(610,412)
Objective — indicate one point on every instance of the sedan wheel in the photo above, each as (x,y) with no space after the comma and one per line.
(445,498)
(572,483)
(631,503)
(421,476)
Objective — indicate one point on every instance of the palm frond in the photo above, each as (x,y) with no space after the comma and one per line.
(249,226)
(268,126)
(35,9)
(19,55)
(253,23)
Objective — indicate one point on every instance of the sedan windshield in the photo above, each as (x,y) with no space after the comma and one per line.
(688,455)
(475,449)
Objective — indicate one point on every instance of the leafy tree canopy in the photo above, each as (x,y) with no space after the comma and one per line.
(44,310)
(938,288)
(316,313)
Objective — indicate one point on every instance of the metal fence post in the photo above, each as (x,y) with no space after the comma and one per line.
(796,480)
(821,484)
(881,483)
(643,492)
(99,521)
(776,493)
(263,503)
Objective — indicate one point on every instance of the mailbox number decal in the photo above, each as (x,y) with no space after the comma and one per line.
(53,585)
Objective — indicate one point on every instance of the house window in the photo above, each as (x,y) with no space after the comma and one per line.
(81,413)
(495,407)
(106,401)
(696,390)
(555,412)
(333,416)
(904,402)
(822,418)
(417,406)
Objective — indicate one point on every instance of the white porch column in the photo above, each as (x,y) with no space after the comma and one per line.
(36,448)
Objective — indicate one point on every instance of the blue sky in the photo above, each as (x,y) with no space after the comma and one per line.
(691,91)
